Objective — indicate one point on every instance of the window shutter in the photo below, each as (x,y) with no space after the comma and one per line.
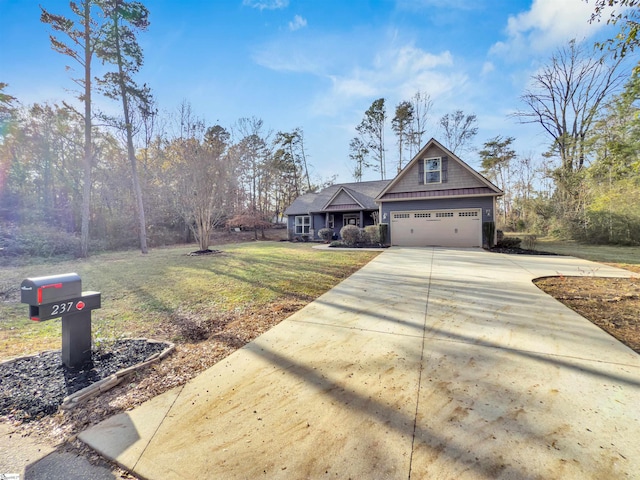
(421,171)
(445,167)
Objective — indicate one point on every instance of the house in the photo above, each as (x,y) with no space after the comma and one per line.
(334,207)
(436,200)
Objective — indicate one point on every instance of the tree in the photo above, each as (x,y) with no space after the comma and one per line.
(6,105)
(121,49)
(358,153)
(628,17)
(458,130)
(401,125)
(615,138)
(564,100)
(201,172)
(82,37)
(612,211)
(421,107)
(293,144)
(497,156)
(251,154)
(371,130)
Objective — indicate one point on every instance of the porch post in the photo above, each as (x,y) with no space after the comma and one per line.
(361,219)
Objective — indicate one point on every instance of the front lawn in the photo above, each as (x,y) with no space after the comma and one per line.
(171,295)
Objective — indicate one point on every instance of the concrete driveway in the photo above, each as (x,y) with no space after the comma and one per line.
(425,364)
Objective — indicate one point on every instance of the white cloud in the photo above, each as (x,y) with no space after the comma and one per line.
(396,74)
(546,25)
(266,4)
(487,68)
(297,23)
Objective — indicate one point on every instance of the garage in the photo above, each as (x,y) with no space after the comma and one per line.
(444,228)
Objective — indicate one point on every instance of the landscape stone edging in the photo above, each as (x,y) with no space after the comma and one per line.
(111,381)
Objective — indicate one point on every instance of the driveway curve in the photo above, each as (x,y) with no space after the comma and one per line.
(426,363)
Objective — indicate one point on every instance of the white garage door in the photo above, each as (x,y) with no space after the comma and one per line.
(445,228)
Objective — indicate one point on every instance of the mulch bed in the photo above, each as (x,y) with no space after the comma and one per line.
(518,251)
(613,304)
(32,387)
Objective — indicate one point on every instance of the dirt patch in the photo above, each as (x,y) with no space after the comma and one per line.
(610,303)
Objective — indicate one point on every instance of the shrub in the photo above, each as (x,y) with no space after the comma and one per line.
(350,234)
(363,237)
(488,230)
(384,233)
(37,241)
(325,234)
(373,233)
(509,242)
(530,242)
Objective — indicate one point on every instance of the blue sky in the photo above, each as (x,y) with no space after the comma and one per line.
(319,64)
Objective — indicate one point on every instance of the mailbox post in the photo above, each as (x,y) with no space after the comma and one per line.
(61,296)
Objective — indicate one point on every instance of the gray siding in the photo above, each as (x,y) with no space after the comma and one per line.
(458,176)
(343,199)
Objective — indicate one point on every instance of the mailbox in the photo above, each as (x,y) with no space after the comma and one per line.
(62,296)
(51,289)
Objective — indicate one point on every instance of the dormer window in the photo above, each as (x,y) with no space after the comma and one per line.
(433,170)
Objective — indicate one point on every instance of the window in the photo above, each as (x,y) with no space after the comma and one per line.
(432,170)
(444,214)
(302,224)
(330,222)
(400,215)
(351,219)
(422,215)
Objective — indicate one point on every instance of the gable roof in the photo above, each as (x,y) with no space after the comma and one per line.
(485,186)
(363,194)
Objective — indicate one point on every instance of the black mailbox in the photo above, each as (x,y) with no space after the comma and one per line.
(51,289)
(62,296)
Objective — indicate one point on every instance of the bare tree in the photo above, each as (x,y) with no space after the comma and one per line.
(565,97)
(201,172)
(458,130)
(422,104)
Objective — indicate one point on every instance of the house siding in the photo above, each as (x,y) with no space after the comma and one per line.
(458,176)
(318,221)
(343,198)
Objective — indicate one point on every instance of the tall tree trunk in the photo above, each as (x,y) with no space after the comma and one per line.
(130,148)
(86,188)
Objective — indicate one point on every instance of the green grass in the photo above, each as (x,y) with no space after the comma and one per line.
(596,253)
(140,292)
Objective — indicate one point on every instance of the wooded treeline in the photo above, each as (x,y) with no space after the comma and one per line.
(193,178)
(71,179)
